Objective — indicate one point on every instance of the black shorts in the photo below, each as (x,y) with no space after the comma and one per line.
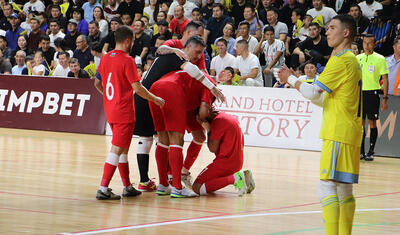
(144,121)
(371,103)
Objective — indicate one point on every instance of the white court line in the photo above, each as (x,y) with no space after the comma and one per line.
(106,230)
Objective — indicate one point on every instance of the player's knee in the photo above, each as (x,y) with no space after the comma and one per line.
(326,188)
(144,145)
(196,188)
(344,190)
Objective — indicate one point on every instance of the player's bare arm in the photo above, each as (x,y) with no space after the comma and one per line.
(145,94)
(98,85)
(385,80)
(164,49)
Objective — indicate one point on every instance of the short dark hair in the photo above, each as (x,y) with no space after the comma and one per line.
(44,37)
(269,28)
(197,40)
(4,39)
(314,24)
(193,25)
(54,21)
(63,53)
(245,23)
(96,46)
(95,23)
(122,33)
(221,7)
(55,7)
(396,40)
(230,69)
(162,37)
(251,6)
(243,42)
(73,61)
(349,23)
(223,41)
(274,9)
(356,5)
(141,22)
(368,36)
(299,12)
(196,9)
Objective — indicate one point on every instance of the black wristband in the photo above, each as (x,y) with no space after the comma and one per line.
(385,97)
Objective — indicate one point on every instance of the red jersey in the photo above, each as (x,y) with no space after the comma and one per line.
(176,27)
(226,129)
(118,71)
(201,63)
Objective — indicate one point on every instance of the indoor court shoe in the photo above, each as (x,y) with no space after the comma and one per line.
(163,190)
(369,157)
(240,183)
(148,186)
(187,180)
(250,184)
(182,193)
(100,195)
(362,156)
(130,191)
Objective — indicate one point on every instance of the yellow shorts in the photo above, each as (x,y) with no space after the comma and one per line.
(340,162)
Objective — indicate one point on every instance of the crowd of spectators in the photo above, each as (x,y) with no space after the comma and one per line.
(247,40)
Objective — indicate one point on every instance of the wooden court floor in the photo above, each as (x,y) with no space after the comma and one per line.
(48,182)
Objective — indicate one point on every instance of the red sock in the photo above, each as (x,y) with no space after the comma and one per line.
(218,183)
(176,163)
(192,154)
(108,173)
(162,163)
(123,168)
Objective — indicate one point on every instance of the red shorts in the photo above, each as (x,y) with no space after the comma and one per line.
(213,171)
(191,123)
(122,134)
(172,116)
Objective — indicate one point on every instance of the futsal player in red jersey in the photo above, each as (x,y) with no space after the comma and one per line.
(118,74)
(225,139)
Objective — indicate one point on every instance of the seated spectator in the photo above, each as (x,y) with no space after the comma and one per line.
(162,16)
(274,54)
(152,11)
(147,29)
(126,19)
(29,59)
(25,23)
(281,29)
(381,28)
(22,44)
(62,67)
(33,5)
(60,46)
(187,8)
(142,42)
(179,22)
(88,8)
(286,13)
(316,46)
(321,13)
(310,71)
(132,7)
(340,6)
(46,49)
(94,32)
(98,16)
(227,77)
(83,26)
(393,63)
(228,32)
(55,14)
(19,63)
(244,34)
(13,33)
(75,69)
(110,11)
(355,47)
(6,51)
(247,65)
(369,7)
(109,41)
(304,33)
(82,52)
(55,31)
(222,60)
(38,69)
(72,34)
(197,16)
(7,11)
(294,33)
(256,25)
(43,21)
(5,65)
(362,22)
(159,41)
(162,31)
(206,11)
(36,32)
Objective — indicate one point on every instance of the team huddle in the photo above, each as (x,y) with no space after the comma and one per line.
(175,96)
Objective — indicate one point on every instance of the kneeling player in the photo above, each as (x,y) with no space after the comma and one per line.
(225,139)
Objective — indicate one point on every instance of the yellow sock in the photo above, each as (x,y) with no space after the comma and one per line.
(330,212)
(347,208)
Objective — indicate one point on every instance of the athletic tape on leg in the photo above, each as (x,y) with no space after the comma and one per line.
(326,188)
(344,190)
(144,145)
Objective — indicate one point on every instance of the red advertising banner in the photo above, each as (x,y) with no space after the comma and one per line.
(53,104)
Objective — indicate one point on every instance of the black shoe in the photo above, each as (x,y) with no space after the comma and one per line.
(130,191)
(369,157)
(107,195)
(362,156)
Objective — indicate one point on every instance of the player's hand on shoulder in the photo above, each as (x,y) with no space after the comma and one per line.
(159,101)
(181,54)
(218,94)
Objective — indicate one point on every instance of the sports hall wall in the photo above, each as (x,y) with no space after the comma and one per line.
(269,117)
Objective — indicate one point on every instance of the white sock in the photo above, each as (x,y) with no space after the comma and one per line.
(103,189)
(203,190)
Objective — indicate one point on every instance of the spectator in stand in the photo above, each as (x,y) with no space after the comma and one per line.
(159,42)
(162,31)
(294,35)
(29,59)
(281,29)
(286,12)
(256,25)
(273,50)
(132,7)
(152,11)
(97,51)
(88,8)
(340,6)
(215,25)
(227,77)
(109,41)
(126,19)
(355,47)
(5,65)
(82,52)
(207,10)
(165,8)
(325,14)
(369,7)
(179,22)
(162,15)
(222,60)
(43,21)
(228,32)
(197,16)
(75,69)
(60,46)
(362,22)
(147,29)
(22,45)
(247,66)
(33,5)
(13,33)
(39,69)
(36,32)
(7,11)
(142,41)
(393,63)
(25,25)
(55,13)
(381,28)
(77,14)
(316,47)
(55,31)
(310,71)
(72,34)
(187,8)
(237,12)
(62,68)
(46,49)
(110,11)
(94,32)
(19,63)
(262,12)
(244,34)
(98,16)
(6,51)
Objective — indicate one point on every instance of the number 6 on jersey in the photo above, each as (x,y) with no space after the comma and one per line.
(109,86)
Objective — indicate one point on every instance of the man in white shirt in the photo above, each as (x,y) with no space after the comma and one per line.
(55,31)
(187,7)
(248,66)
(20,63)
(319,9)
(33,5)
(369,7)
(110,11)
(274,53)
(223,60)
(244,34)
(62,67)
